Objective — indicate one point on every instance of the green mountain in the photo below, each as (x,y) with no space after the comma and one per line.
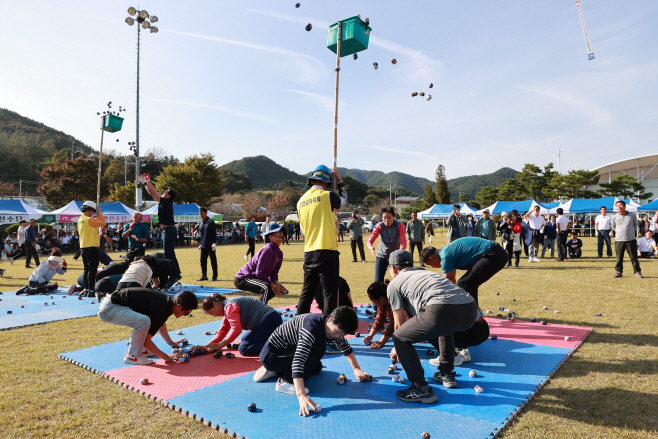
(472,183)
(263,172)
(27,145)
(381,179)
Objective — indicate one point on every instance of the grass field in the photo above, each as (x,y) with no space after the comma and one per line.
(608,389)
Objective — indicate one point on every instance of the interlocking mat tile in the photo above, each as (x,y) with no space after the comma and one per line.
(216,391)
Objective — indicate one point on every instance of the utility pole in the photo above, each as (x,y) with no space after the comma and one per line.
(558,162)
(390,191)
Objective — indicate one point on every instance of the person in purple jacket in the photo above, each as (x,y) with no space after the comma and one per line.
(261,274)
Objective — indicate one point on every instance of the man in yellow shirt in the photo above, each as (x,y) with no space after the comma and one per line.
(318,222)
(90,241)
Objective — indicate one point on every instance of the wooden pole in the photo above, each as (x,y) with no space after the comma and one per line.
(340,32)
(100,160)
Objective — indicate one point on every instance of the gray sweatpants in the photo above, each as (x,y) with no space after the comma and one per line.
(124,316)
(431,323)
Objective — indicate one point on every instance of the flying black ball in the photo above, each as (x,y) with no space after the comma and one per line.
(298,5)
(431,85)
(309,27)
(355,56)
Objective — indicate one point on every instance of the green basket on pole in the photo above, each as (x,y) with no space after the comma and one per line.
(354,38)
(111,123)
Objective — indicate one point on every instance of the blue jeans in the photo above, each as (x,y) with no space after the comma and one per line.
(253,343)
(381,265)
(124,316)
(169,240)
(546,242)
(604,235)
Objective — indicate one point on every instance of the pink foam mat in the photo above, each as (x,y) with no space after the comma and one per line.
(536,333)
(168,380)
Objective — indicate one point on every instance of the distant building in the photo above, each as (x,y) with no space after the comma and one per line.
(406,200)
(643,168)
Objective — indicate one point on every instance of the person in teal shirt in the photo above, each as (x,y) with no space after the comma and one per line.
(481,259)
(137,234)
(250,237)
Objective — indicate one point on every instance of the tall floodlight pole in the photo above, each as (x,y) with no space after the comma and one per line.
(142,18)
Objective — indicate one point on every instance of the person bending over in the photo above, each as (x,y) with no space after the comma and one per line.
(377,295)
(437,308)
(261,274)
(139,274)
(481,259)
(107,285)
(241,313)
(574,246)
(146,311)
(294,351)
(41,276)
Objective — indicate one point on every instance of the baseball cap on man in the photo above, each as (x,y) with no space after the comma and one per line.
(400,257)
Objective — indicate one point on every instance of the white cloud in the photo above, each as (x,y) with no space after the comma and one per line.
(327,102)
(597,115)
(240,113)
(306,67)
(399,151)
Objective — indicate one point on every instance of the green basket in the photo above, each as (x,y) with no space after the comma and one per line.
(353,36)
(111,123)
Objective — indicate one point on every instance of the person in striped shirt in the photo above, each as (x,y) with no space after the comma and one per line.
(293,352)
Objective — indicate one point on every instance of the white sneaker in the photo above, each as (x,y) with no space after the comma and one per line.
(289,388)
(531,260)
(263,374)
(131,359)
(537,260)
(11,261)
(246,258)
(458,361)
(465,355)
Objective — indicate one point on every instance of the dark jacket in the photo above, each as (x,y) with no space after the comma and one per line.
(470,228)
(550,230)
(208,231)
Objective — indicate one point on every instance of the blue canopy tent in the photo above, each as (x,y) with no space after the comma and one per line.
(115,212)
(520,206)
(13,211)
(439,211)
(650,207)
(588,205)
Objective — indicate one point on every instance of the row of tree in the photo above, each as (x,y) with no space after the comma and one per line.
(542,185)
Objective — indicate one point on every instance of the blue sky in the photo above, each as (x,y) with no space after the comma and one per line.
(512,82)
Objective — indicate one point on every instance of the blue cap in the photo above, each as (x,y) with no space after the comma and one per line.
(274,227)
(321,173)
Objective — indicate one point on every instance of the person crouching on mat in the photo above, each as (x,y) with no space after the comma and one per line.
(261,274)
(437,308)
(377,295)
(41,276)
(146,311)
(139,274)
(293,352)
(473,336)
(241,313)
(107,285)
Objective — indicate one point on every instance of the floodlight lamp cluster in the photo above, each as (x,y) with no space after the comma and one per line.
(142,17)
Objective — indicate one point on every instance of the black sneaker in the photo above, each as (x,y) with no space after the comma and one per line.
(214,279)
(447,379)
(425,394)
(202,278)
(2,272)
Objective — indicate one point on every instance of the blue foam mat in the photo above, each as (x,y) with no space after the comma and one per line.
(510,372)
(69,307)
